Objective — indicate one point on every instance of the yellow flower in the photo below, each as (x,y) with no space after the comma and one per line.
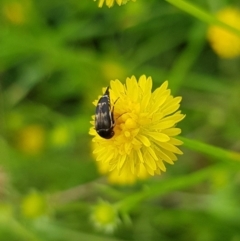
(17,12)
(105,217)
(144,128)
(30,139)
(60,136)
(34,205)
(110,3)
(223,42)
(111,69)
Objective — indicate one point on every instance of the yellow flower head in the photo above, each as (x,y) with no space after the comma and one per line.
(144,131)
(105,217)
(34,205)
(60,136)
(30,140)
(223,42)
(110,3)
(17,12)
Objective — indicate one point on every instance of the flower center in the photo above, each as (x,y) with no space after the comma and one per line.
(126,129)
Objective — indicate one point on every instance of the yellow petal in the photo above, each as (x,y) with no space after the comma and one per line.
(161,165)
(164,125)
(171,148)
(144,140)
(152,153)
(159,136)
(172,131)
(132,88)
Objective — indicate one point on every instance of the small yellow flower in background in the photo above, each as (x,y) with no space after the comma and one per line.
(223,42)
(135,14)
(34,205)
(17,12)
(105,217)
(145,128)
(111,70)
(60,136)
(110,3)
(31,139)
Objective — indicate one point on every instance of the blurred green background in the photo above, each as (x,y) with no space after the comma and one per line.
(55,57)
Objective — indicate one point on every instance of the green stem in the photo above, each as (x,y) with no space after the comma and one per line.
(166,186)
(202,15)
(213,151)
(185,181)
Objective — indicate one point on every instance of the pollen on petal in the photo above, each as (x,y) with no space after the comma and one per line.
(130,123)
